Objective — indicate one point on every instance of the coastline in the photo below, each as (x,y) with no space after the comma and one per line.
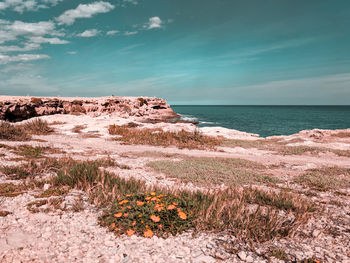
(311,165)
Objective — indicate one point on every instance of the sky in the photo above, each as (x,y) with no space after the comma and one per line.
(232,52)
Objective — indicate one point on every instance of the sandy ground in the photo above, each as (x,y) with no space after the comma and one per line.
(40,237)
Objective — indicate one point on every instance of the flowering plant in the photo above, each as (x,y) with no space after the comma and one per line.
(148,214)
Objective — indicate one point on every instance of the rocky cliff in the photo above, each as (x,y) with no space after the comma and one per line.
(143,108)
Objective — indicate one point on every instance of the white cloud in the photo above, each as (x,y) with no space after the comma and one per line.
(154,22)
(128,33)
(52,41)
(112,32)
(29,36)
(26,47)
(27,5)
(89,33)
(39,28)
(84,11)
(72,52)
(4,59)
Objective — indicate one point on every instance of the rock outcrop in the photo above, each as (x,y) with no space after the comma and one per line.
(143,108)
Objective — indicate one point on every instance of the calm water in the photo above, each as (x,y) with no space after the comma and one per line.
(268,120)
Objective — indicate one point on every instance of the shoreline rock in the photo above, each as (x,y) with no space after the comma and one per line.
(14,109)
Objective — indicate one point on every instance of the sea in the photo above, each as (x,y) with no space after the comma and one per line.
(267,120)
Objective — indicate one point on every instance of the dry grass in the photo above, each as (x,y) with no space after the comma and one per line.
(4,213)
(52,192)
(249,217)
(12,132)
(38,127)
(157,137)
(23,132)
(259,144)
(148,154)
(281,148)
(204,171)
(34,168)
(78,128)
(324,179)
(11,190)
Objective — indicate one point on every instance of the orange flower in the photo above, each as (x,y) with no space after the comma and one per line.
(128,195)
(142,221)
(123,202)
(116,229)
(148,233)
(171,207)
(126,214)
(182,215)
(160,196)
(160,226)
(176,195)
(103,223)
(175,203)
(153,193)
(155,218)
(140,215)
(139,203)
(134,223)
(118,215)
(112,225)
(158,207)
(146,193)
(148,198)
(154,199)
(130,232)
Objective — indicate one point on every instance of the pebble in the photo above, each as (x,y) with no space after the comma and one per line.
(242,255)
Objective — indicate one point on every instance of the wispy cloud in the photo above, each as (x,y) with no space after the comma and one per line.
(52,41)
(84,11)
(112,32)
(89,33)
(130,33)
(72,52)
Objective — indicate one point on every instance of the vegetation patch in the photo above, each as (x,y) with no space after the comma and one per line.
(38,127)
(52,192)
(78,128)
(147,214)
(11,190)
(154,154)
(133,208)
(12,132)
(214,171)
(324,179)
(4,213)
(158,137)
(29,151)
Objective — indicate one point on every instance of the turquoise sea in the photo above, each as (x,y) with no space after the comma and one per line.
(268,120)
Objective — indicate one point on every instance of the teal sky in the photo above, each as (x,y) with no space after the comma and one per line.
(186,51)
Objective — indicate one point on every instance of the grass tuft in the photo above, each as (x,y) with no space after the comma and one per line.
(326,178)
(12,132)
(158,137)
(38,127)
